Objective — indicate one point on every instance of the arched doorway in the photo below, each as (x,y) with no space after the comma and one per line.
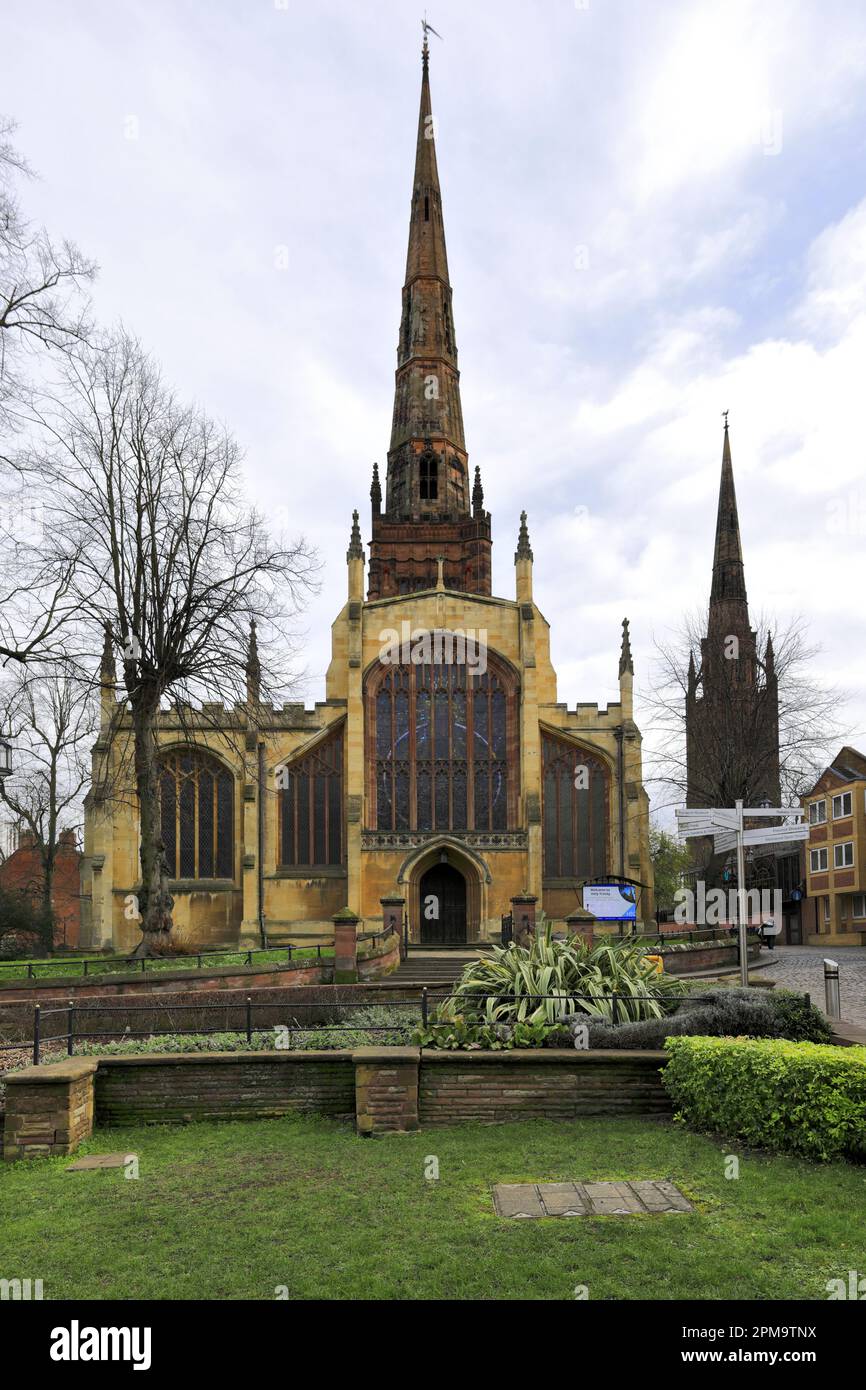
(442,891)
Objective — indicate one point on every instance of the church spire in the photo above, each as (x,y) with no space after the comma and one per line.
(253,667)
(728,576)
(430,510)
(427,464)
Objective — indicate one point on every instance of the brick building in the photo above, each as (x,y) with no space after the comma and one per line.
(836,853)
(22,872)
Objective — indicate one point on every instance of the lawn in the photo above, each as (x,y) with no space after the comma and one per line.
(71,968)
(232,1211)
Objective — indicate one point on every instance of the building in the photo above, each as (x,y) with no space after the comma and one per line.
(836,853)
(441,768)
(732,699)
(22,872)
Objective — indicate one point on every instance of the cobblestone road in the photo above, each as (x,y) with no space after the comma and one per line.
(801,968)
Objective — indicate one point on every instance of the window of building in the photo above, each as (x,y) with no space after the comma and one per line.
(818,860)
(428,478)
(575,811)
(817,812)
(841,805)
(858,905)
(826,909)
(197,804)
(311,807)
(439,738)
(843,855)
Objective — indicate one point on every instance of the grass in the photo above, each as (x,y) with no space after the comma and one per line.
(232,1211)
(73,967)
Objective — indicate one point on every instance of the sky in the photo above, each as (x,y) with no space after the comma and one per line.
(654,213)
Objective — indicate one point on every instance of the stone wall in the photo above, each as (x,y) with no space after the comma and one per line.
(49,1110)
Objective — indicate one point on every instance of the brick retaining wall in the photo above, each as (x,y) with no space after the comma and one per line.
(222,1086)
(549,1084)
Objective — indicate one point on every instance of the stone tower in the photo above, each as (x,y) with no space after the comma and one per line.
(732,700)
(430,513)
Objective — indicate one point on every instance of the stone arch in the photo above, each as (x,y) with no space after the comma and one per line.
(461,857)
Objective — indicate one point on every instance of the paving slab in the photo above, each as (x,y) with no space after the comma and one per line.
(518,1200)
(562,1199)
(95,1161)
(533,1200)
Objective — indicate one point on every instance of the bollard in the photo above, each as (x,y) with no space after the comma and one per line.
(833,1006)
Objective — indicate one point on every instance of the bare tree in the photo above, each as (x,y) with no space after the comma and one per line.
(148,508)
(43,311)
(734,759)
(50,714)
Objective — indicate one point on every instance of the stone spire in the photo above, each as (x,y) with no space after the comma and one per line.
(430,511)
(253,667)
(625,658)
(729,583)
(477,494)
(427,459)
(524,551)
(356,549)
(107,667)
(376,491)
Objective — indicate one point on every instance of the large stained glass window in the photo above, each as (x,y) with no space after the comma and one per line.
(197,803)
(575,810)
(440,741)
(311,806)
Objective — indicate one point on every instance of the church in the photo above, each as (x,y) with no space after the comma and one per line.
(441,766)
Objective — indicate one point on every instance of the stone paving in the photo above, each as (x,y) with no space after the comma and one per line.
(530,1200)
(802,968)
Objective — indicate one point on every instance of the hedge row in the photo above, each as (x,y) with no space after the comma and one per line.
(801,1098)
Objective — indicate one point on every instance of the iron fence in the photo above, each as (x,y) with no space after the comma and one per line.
(618,1002)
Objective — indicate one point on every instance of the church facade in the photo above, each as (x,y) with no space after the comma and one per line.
(441,766)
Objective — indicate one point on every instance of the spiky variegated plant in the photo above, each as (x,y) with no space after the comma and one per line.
(575,977)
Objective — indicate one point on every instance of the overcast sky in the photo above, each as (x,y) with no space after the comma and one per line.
(654,212)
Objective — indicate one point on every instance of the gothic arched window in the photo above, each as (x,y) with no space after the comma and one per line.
(311,807)
(576,810)
(442,746)
(198,819)
(428,478)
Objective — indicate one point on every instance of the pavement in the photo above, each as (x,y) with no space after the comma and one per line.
(802,968)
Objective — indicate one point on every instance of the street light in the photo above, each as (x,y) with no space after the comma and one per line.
(5,757)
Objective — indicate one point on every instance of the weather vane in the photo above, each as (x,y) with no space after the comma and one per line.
(725,415)
(428,29)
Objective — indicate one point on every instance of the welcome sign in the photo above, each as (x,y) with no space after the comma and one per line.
(611,902)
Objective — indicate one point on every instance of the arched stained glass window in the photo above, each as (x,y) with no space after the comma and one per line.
(311,808)
(197,804)
(575,809)
(439,739)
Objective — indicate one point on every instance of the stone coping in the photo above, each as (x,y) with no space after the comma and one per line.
(544,1056)
(54,1073)
(386,1054)
(187,1059)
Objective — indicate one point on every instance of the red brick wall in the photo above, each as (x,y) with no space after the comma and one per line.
(23,871)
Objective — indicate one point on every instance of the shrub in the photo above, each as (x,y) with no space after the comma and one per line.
(461,1033)
(801,1098)
(517,977)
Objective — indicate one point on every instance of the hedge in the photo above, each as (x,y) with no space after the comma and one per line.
(801,1098)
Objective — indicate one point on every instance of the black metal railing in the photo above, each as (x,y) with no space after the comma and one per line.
(113,965)
(421,1007)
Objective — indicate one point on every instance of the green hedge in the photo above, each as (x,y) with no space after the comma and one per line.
(802,1098)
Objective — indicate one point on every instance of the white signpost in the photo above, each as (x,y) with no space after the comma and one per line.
(727,829)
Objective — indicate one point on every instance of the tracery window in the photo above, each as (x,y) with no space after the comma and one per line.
(311,807)
(575,810)
(439,744)
(197,803)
